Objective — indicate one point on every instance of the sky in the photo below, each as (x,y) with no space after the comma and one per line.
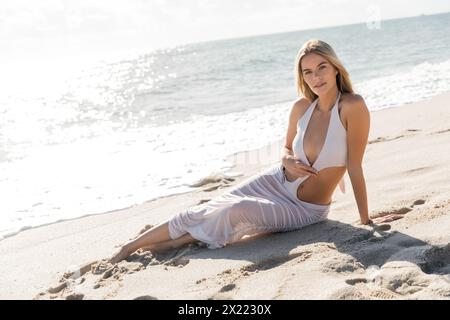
(89,27)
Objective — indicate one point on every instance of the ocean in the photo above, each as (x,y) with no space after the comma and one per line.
(91,137)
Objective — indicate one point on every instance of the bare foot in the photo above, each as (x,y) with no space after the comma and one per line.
(123,253)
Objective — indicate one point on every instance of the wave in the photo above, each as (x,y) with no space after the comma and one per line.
(414,84)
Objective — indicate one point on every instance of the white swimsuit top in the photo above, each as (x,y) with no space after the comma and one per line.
(334,150)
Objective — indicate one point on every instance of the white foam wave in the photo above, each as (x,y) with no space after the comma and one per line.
(418,83)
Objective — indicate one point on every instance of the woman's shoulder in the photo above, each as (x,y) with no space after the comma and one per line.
(351,98)
(352,105)
(350,101)
(299,107)
(302,102)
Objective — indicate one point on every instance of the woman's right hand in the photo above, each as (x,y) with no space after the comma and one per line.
(295,168)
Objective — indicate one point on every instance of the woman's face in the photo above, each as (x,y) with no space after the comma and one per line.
(319,74)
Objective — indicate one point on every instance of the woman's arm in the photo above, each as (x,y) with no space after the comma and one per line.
(298,108)
(358,125)
(288,159)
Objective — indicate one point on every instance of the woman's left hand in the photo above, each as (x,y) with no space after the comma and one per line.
(383,219)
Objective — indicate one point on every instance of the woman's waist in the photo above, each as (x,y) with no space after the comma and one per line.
(316,189)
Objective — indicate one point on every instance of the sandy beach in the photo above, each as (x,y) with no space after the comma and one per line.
(407,170)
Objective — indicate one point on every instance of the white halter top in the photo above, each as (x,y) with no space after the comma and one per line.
(334,150)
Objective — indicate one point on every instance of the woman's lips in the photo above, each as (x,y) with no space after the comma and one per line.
(320,85)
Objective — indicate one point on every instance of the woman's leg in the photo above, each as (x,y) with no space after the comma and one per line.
(149,239)
(171,244)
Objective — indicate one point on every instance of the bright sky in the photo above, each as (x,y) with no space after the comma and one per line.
(74,26)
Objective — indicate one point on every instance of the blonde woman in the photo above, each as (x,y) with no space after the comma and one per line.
(326,136)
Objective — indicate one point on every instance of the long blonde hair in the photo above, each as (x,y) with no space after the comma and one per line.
(322,48)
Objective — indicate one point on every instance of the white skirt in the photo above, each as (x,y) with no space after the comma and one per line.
(266,202)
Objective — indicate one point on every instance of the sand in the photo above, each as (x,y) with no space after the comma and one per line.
(407,170)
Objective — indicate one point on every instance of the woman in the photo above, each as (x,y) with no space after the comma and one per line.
(327,135)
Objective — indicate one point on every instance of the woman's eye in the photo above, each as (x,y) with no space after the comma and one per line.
(321,67)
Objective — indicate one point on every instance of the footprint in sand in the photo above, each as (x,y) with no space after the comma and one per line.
(227,287)
(418,202)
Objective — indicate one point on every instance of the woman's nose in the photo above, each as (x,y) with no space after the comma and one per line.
(316,74)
